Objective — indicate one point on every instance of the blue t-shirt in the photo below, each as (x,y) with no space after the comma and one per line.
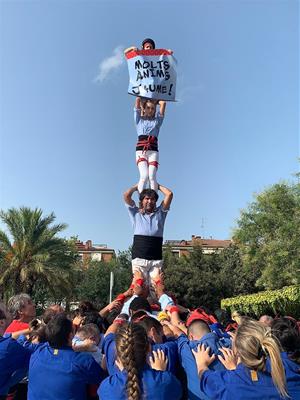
(188,362)
(171,351)
(156,385)
(61,374)
(147,224)
(13,357)
(238,384)
(147,126)
(292,375)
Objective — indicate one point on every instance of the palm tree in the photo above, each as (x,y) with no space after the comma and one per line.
(31,253)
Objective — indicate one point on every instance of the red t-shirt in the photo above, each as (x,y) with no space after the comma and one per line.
(16,326)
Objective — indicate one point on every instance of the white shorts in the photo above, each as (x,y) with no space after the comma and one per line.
(149,268)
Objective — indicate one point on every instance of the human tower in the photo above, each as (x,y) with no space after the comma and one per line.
(147,218)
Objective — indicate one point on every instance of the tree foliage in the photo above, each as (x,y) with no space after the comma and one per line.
(93,282)
(204,279)
(268,235)
(32,255)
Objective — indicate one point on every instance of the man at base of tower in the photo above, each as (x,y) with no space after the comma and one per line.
(148,224)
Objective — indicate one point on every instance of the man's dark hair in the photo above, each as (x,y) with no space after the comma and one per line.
(86,307)
(138,315)
(58,331)
(148,322)
(149,193)
(48,314)
(95,318)
(287,331)
(38,333)
(223,316)
(139,303)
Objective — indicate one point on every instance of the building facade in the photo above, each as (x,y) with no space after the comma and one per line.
(94,252)
(183,247)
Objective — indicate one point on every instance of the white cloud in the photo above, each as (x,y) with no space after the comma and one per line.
(110,64)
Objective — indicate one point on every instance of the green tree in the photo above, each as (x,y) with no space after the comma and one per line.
(194,279)
(93,283)
(33,256)
(233,277)
(268,236)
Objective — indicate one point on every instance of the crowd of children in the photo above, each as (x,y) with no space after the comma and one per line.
(139,349)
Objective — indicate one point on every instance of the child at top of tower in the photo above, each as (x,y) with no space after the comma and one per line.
(147,44)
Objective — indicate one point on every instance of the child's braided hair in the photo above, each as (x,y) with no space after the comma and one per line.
(132,346)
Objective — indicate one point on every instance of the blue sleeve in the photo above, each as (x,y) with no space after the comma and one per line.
(18,355)
(212,383)
(170,350)
(32,347)
(163,212)
(165,301)
(89,368)
(132,211)
(186,357)
(137,115)
(109,350)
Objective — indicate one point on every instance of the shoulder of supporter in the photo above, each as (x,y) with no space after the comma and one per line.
(109,338)
(171,351)
(12,349)
(88,367)
(107,344)
(212,383)
(182,340)
(32,347)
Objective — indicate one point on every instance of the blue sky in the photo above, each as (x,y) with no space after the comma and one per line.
(67,139)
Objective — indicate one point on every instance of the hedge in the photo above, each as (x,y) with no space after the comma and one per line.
(285,301)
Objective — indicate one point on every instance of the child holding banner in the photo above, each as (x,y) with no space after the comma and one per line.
(148,124)
(148,44)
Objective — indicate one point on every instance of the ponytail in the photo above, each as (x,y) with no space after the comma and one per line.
(254,343)
(270,345)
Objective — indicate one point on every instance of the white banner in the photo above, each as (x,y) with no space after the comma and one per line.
(152,74)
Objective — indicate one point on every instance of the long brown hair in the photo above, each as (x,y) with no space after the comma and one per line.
(132,346)
(254,342)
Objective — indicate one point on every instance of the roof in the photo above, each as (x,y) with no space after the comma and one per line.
(88,247)
(197,240)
